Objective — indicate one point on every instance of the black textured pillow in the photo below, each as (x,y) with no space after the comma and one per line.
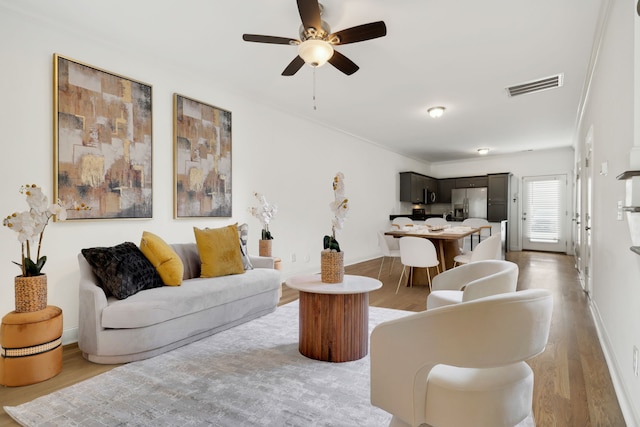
(122,270)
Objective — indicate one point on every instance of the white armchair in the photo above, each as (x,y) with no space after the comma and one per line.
(463,364)
(472,281)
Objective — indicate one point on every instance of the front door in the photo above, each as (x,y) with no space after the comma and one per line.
(544,213)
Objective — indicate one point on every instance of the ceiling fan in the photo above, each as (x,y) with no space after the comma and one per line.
(315,46)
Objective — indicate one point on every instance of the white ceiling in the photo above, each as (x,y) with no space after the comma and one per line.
(461,54)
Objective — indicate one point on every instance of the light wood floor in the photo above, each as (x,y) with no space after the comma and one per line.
(572,382)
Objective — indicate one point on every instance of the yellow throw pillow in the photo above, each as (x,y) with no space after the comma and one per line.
(219,251)
(165,260)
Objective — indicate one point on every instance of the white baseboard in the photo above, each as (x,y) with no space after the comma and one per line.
(626,405)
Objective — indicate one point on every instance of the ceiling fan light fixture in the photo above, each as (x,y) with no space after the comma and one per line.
(436,112)
(483,151)
(315,52)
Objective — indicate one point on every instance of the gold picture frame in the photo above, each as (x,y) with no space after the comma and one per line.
(102,141)
(202,159)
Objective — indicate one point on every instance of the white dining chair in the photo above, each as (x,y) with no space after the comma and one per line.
(402,221)
(435,221)
(417,252)
(490,248)
(390,248)
(480,223)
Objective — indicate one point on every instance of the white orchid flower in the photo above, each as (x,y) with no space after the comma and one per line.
(23,224)
(340,208)
(264,212)
(58,211)
(30,226)
(35,198)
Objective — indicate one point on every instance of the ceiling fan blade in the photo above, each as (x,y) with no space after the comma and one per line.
(268,39)
(293,66)
(310,13)
(343,63)
(360,33)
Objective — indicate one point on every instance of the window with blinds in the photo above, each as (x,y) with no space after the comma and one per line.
(543,219)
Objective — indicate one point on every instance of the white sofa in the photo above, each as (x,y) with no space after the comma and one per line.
(156,320)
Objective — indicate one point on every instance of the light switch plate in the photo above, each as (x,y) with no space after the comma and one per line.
(620,213)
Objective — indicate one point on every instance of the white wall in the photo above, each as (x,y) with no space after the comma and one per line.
(527,163)
(616,270)
(290,160)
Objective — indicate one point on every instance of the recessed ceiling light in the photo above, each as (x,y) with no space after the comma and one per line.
(436,112)
(483,151)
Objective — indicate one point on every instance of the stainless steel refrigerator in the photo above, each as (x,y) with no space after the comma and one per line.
(469,203)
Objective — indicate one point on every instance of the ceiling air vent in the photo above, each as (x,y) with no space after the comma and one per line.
(536,86)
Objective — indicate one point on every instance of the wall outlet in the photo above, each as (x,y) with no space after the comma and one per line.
(636,356)
(293,257)
(307,258)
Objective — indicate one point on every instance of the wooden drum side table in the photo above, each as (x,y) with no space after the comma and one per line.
(30,346)
(334,317)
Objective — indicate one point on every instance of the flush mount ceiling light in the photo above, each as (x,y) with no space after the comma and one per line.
(436,112)
(315,52)
(483,151)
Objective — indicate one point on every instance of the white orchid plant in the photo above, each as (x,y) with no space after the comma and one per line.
(265,213)
(30,226)
(340,208)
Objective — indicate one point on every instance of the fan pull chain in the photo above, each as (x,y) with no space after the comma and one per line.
(314,88)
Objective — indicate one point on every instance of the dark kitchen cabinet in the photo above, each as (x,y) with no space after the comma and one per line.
(431,184)
(412,187)
(444,189)
(471,182)
(431,188)
(498,197)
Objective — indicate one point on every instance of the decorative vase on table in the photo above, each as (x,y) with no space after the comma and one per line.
(331,266)
(31,293)
(264,247)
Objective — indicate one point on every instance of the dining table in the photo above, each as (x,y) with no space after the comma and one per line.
(445,239)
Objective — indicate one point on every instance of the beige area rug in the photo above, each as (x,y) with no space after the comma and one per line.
(250,375)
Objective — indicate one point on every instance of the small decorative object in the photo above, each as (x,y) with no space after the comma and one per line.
(31,286)
(31,293)
(331,266)
(265,213)
(264,247)
(332,259)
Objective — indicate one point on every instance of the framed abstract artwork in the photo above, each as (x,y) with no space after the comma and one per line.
(202,159)
(102,141)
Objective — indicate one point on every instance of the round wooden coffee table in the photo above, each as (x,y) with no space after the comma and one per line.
(334,317)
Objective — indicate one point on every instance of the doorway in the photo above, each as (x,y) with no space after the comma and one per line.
(544,213)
